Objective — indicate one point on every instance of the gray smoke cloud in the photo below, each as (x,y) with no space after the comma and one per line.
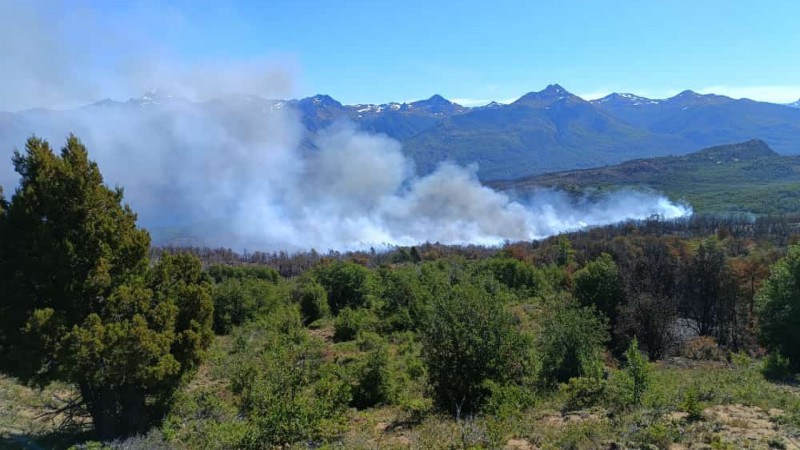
(216,173)
(206,167)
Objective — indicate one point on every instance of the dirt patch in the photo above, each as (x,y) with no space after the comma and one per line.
(324,333)
(519,444)
(561,420)
(676,416)
(749,426)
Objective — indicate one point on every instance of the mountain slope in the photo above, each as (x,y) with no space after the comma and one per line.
(705,120)
(744,177)
(543,131)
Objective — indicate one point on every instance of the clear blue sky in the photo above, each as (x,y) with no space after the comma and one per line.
(378,51)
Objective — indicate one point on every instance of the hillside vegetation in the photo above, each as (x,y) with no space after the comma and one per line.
(747,177)
(641,335)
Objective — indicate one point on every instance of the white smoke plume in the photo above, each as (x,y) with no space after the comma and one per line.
(235,171)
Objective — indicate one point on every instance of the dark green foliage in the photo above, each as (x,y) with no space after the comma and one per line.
(415,256)
(221,273)
(598,284)
(584,392)
(691,403)
(80,303)
(778,308)
(347,284)
(470,339)
(517,275)
(571,342)
(564,253)
(638,371)
(312,299)
(405,297)
(505,400)
(776,367)
(238,300)
(350,322)
(288,393)
(375,383)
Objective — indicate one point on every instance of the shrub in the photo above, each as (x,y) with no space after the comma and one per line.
(657,435)
(776,367)
(404,297)
(598,284)
(220,273)
(287,392)
(584,392)
(779,308)
(347,285)
(517,275)
(571,343)
(312,299)
(703,348)
(351,322)
(469,339)
(238,300)
(505,400)
(638,371)
(375,382)
(691,404)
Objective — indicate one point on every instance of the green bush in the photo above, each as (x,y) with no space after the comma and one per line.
(350,322)
(347,284)
(220,273)
(570,342)
(691,404)
(287,392)
(598,284)
(778,310)
(469,339)
(375,382)
(404,298)
(657,435)
(505,400)
(517,275)
(638,370)
(776,367)
(312,299)
(584,392)
(238,300)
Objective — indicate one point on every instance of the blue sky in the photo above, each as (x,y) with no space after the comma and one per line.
(361,51)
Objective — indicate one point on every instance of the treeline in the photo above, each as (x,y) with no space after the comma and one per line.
(297,342)
(778,231)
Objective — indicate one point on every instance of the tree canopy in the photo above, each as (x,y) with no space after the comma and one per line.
(80,301)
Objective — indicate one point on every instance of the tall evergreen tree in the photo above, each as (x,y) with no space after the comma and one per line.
(79,300)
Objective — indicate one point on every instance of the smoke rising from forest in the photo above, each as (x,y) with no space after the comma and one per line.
(220,173)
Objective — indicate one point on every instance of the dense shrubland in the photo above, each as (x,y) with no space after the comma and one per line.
(620,328)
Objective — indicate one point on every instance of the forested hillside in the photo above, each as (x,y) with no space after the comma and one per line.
(744,178)
(639,335)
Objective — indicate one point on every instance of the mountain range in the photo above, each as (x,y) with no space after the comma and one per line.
(545,131)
